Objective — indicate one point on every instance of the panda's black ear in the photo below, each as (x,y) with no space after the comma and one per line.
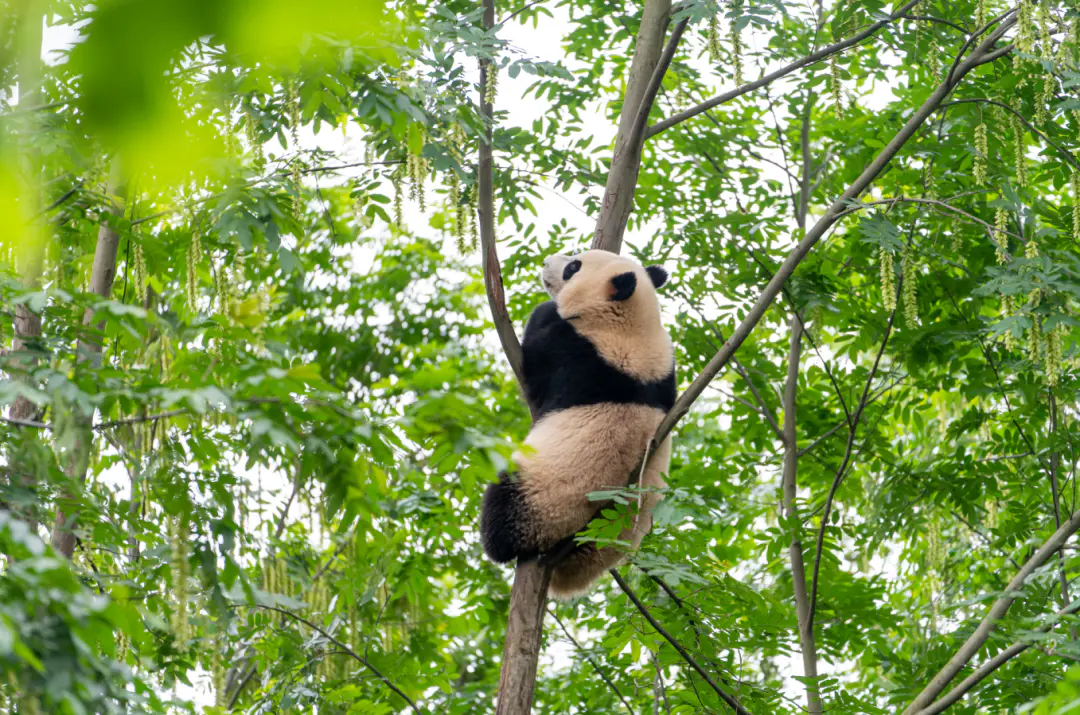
(623,286)
(658,274)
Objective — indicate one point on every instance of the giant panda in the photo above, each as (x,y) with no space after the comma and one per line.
(599,370)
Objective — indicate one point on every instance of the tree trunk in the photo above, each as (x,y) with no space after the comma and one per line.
(88,350)
(525,623)
(626,160)
(524,628)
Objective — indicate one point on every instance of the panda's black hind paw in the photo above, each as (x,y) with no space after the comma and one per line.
(504,522)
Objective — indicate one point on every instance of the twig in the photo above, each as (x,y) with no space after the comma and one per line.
(599,671)
(347,651)
(517,12)
(842,470)
(810,59)
(795,549)
(723,695)
(1069,157)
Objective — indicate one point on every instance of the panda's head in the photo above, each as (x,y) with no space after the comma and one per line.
(602,286)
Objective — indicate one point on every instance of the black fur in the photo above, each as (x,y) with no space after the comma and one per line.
(503,517)
(625,285)
(563,369)
(658,274)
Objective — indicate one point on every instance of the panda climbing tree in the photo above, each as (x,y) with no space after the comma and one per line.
(518,520)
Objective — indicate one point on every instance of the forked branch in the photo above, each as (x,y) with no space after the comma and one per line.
(997,611)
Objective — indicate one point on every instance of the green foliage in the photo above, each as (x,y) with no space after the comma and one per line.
(299,398)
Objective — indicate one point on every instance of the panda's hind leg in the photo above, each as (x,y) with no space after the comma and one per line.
(504,523)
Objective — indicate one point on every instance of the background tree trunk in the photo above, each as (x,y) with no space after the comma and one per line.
(102,276)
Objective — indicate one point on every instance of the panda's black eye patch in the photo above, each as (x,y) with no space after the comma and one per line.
(571,268)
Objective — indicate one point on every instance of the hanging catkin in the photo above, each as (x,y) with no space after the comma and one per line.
(1020,151)
(888,279)
(1001,239)
(908,276)
(981,153)
(194,257)
(180,572)
(714,39)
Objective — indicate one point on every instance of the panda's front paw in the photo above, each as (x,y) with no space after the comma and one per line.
(504,522)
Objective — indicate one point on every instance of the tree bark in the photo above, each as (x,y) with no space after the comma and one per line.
(997,611)
(524,628)
(795,551)
(88,350)
(528,597)
(626,159)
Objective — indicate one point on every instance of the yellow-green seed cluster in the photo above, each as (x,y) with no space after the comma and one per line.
(1052,356)
(491,84)
(908,276)
(1001,239)
(1025,27)
(194,258)
(251,132)
(1076,205)
(292,102)
(835,90)
(981,154)
(416,167)
(178,542)
(888,278)
(714,39)
(1020,151)
(139,277)
(736,54)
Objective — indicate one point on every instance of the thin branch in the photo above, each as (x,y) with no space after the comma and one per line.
(810,59)
(842,470)
(775,285)
(996,612)
(599,671)
(517,12)
(790,491)
(1068,155)
(493,282)
(976,35)
(938,20)
(347,651)
(937,203)
(720,692)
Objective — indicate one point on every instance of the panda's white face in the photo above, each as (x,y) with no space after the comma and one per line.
(552,274)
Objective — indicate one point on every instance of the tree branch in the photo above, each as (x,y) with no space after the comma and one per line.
(493,282)
(592,662)
(996,612)
(790,492)
(626,160)
(991,665)
(775,285)
(347,651)
(842,470)
(810,59)
(720,692)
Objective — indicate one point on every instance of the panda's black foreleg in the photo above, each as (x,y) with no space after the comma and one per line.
(504,523)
